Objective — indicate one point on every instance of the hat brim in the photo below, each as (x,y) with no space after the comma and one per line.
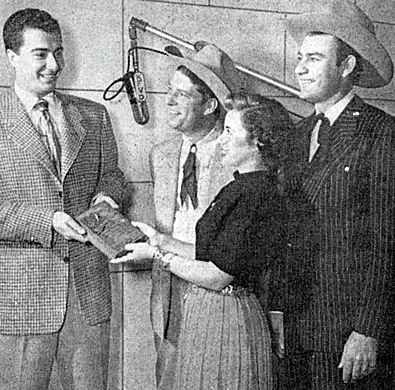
(378,68)
(219,88)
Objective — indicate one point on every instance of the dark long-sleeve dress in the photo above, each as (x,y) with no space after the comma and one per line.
(225,341)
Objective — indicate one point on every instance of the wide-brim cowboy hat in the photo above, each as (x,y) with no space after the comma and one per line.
(211,65)
(349,23)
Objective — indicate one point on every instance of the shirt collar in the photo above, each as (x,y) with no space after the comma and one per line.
(211,136)
(333,112)
(29,100)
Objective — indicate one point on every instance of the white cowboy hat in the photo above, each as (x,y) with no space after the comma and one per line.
(349,23)
(211,65)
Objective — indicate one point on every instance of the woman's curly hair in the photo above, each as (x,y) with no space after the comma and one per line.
(268,124)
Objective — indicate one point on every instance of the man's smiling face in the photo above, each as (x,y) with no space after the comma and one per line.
(39,61)
(185,104)
(319,76)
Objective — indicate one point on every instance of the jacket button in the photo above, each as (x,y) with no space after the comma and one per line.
(66,259)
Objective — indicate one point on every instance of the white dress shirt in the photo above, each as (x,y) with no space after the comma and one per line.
(186,216)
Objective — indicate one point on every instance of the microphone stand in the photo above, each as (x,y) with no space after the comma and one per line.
(144,26)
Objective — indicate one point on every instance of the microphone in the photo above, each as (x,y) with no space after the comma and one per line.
(135,88)
(135,82)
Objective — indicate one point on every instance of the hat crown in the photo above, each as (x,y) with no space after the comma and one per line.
(350,11)
(218,62)
(213,66)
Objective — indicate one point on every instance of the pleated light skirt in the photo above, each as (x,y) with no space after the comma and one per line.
(224,342)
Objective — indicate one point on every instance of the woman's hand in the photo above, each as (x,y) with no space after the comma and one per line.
(138,251)
(165,242)
(148,230)
(155,238)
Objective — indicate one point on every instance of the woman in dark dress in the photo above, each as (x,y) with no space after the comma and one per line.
(225,341)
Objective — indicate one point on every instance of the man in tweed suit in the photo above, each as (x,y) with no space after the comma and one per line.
(349,177)
(55,293)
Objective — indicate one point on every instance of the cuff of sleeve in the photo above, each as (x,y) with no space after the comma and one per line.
(41,229)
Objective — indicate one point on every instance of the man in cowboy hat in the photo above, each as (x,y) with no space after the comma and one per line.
(346,161)
(187,174)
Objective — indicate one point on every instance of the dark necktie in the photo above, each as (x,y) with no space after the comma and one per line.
(324,132)
(48,131)
(189,180)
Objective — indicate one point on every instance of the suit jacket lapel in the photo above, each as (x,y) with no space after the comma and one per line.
(73,133)
(166,184)
(347,128)
(23,132)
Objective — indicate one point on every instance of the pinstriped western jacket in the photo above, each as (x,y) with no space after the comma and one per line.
(33,274)
(353,193)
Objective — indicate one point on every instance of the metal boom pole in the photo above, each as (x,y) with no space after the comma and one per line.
(268,80)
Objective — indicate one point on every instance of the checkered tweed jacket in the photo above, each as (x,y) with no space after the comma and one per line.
(35,260)
(354,196)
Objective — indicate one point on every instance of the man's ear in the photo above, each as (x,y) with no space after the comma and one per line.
(211,105)
(348,65)
(12,56)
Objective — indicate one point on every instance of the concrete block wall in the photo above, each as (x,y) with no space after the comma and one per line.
(96,41)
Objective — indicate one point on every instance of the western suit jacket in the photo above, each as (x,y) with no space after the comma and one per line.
(165,164)
(353,193)
(34,259)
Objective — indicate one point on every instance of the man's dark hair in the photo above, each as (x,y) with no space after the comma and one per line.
(343,50)
(201,86)
(24,19)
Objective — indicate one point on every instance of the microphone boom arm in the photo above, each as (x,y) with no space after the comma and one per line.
(144,26)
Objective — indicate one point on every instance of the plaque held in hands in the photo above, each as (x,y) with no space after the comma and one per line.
(108,230)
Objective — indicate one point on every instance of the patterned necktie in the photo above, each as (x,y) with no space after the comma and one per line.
(48,131)
(189,181)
